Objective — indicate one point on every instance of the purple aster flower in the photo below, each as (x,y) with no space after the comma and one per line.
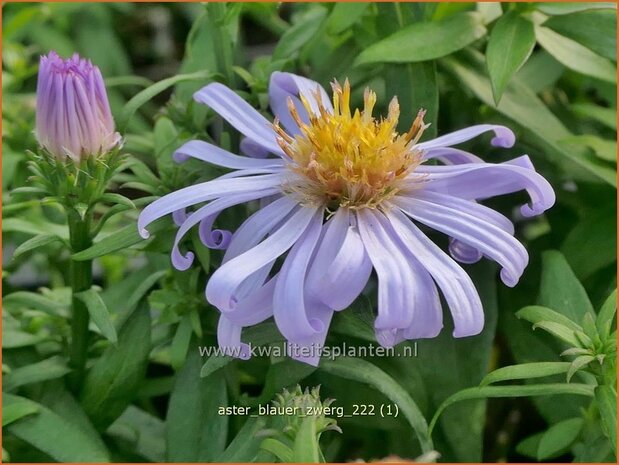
(344,195)
(73,113)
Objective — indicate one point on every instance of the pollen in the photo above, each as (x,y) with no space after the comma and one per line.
(349,159)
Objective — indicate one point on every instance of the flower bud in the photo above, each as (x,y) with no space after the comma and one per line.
(73,113)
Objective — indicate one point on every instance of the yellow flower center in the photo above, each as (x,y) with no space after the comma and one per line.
(349,159)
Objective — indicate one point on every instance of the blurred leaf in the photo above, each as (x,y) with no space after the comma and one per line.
(528,447)
(13,339)
(35,301)
(592,244)
(145,432)
(195,431)
(114,378)
(34,243)
(20,408)
(510,44)
(561,290)
(558,438)
(606,116)
(577,364)
(525,371)
(147,94)
(489,11)
(51,368)
(513,391)
(595,29)
(523,106)
(540,71)
(606,399)
(425,41)
(365,372)
(345,15)
(180,342)
(281,375)
(99,313)
(246,443)
(604,320)
(563,8)
(304,30)
(278,449)
(53,434)
(575,56)
(166,140)
(603,148)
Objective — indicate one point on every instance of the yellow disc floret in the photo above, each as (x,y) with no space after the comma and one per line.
(349,159)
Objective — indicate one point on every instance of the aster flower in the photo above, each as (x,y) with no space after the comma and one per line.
(73,117)
(344,195)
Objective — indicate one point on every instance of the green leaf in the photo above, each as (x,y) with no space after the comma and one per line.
(595,29)
(558,438)
(592,245)
(278,449)
(525,371)
(510,45)
(365,372)
(306,449)
(55,435)
(540,71)
(575,56)
(280,375)
(195,431)
(561,290)
(606,399)
(577,364)
(345,15)
(119,240)
(605,116)
(425,41)
(180,342)
(558,330)
(34,301)
(34,243)
(13,339)
(20,408)
(51,368)
(114,378)
(246,443)
(145,433)
(563,8)
(99,313)
(528,447)
(604,320)
(512,391)
(166,140)
(111,197)
(304,30)
(603,148)
(150,92)
(520,104)
(536,314)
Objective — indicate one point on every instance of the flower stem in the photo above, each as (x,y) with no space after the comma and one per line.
(80,280)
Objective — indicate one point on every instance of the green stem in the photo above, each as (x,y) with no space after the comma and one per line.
(80,280)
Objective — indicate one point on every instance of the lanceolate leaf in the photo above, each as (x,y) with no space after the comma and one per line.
(34,243)
(51,368)
(575,56)
(606,315)
(425,41)
(511,42)
(365,372)
(526,371)
(536,314)
(114,378)
(558,438)
(606,399)
(99,313)
(513,391)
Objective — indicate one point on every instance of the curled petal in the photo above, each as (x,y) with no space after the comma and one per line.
(459,291)
(217,239)
(221,290)
(307,349)
(481,181)
(210,153)
(229,339)
(491,240)
(183,262)
(239,114)
(284,86)
(256,306)
(341,267)
(289,297)
(201,193)
(451,156)
(503,137)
